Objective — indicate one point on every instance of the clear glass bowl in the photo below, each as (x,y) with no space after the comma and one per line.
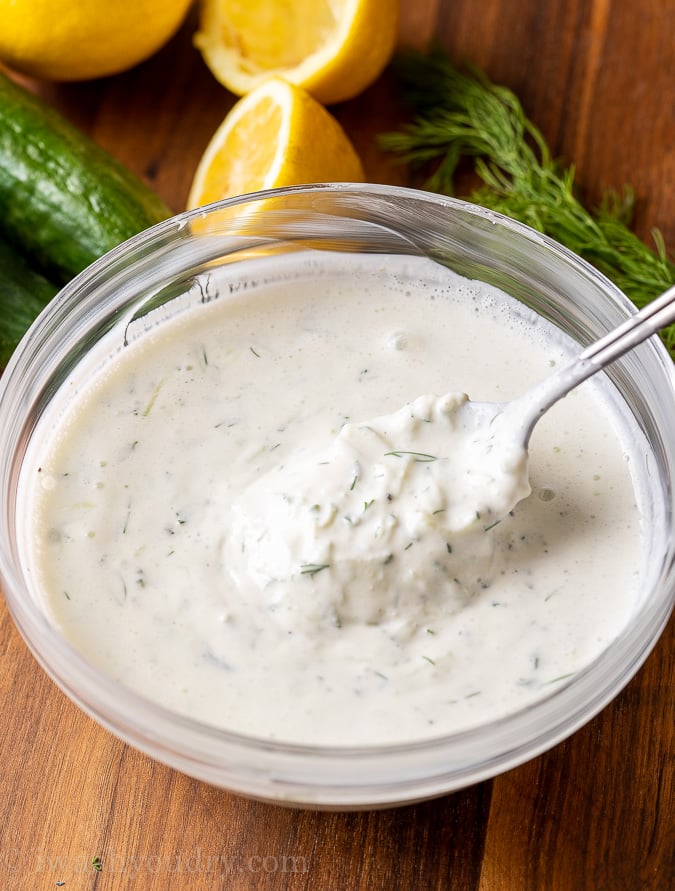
(161,267)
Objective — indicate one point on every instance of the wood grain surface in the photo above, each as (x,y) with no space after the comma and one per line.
(593,814)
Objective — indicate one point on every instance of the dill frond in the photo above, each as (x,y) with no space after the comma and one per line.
(462,114)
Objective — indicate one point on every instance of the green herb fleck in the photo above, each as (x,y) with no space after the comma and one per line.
(429,660)
(354,482)
(96,863)
(367,504)
(311,569)
(155,393)
(417,456)
(257,355)
(562,677)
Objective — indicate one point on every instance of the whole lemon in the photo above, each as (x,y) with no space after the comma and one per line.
(84,39)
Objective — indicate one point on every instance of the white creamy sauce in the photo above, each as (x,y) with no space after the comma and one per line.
(391,503)
(251,516)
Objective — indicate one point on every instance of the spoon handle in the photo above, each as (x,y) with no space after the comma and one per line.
(651,318)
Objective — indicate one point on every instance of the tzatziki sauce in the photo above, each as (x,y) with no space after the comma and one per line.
(249,512)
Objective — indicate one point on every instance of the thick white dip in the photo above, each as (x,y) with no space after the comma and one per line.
(150,532)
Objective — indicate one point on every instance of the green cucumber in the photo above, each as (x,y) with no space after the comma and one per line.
(64,201)
(23,295)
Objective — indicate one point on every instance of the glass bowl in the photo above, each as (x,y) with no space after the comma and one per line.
(168,266)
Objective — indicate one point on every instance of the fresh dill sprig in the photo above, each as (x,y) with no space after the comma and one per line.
(462,114)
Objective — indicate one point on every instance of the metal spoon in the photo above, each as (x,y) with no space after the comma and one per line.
(524,412)
(502,431)
(445,465)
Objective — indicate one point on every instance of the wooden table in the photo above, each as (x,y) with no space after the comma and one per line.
(595,813)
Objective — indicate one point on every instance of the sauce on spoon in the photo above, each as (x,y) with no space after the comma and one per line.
(388,499)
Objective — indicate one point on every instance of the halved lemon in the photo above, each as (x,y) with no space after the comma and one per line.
(278,135)
(332,48)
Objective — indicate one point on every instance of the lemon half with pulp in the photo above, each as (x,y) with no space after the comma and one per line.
(332,48)
(278,135)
